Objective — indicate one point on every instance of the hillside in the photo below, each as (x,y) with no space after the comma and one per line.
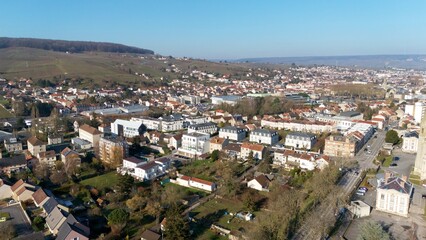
(70,46)
(94,69)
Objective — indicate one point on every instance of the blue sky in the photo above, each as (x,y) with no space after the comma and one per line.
(227,29)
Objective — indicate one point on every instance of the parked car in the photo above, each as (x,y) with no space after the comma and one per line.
(362,189)
(393,165)
(360,193)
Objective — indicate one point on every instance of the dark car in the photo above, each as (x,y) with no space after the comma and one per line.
(394,165)
(396,158)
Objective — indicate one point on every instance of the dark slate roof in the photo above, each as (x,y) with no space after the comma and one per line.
(349,114)
(13,161)
(71,224)
(411,134)
(301,134)
(49,205)
(398,184)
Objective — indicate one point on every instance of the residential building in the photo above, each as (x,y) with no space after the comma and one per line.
(194,182)
(40,197)
(233,150)
(48,157)
(410,142)
(71,229)
(35,145)
(264,136)
(257,149)
(175,141)
(340,146)
(300,140)
(54,139)
(81,144)
(228,99)
(70,158)
(394,195)
(112,150)
(13,164)
(194,144)
(260,183)
(127,128)
(12,145)
(359,209)
(209,127)
(217,143)
(22,191)
(145,170)
(90,134)
(232,133)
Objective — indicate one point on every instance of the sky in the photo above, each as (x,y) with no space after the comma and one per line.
(228,29)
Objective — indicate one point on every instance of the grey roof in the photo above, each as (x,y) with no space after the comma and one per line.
(13,161)
(49,205)
(200,125)
(263,131)
(411,134)
(54,218)
(349,114)
(71,224)
(231,129)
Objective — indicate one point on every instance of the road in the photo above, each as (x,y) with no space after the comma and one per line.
(347,184)
(18,219)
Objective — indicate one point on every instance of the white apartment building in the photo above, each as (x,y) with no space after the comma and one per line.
(90,134)
(300,140)
(300,126)
(232,133)
(264,136)
(194,144)
(417,111)
(127,128)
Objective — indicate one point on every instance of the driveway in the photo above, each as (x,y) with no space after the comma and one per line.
(18,219)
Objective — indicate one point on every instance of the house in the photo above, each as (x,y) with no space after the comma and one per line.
(410,142)
(90,134)
(194,144)
(71,229)
(5,190)
(187,181)
(147,171)
(394,195)
(70,158)
(175,141)
(12,145)
(35,146)
(300,140)
(257,149)
(233,150)
(209,127)
(143,170)
(54,139)
(13,164)
(232,133)
(264,136)
(260,183)
(55,219)
(40,197)
(217,143)
(48,157)
(22,191)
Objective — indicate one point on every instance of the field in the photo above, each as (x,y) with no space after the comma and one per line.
(4,113)
(100,182)
(98,68)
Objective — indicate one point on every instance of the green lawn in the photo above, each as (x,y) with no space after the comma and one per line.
(4,113)
(186,190)
(388,161)
(204,169)
(107,180)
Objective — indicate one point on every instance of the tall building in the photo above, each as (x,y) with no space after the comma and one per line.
(420,164)
(112,150)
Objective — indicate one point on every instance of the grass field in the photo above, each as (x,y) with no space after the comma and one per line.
(388,161)
(100,68)
(100,182)
(4,113)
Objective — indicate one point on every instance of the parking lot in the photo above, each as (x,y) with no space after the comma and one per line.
(18,219)
(405,162)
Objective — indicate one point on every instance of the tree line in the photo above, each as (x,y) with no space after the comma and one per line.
(259,106)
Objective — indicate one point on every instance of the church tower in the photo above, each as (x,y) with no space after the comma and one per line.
(420,164)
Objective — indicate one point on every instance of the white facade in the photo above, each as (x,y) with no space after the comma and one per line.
(394,196)
(126,128)
(194,144)
(300,140)
(313,127)
(232,133)
(264,136)
(209,128)
(410,143)
(187,181)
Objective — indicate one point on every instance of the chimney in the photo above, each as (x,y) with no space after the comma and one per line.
(387,176)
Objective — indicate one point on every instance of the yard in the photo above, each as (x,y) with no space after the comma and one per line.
(187,191)
(100,182)
(203,169)
(4,113)
(217,211)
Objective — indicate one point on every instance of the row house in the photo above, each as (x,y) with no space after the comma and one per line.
(299,126)
(209,127)
(300,140)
